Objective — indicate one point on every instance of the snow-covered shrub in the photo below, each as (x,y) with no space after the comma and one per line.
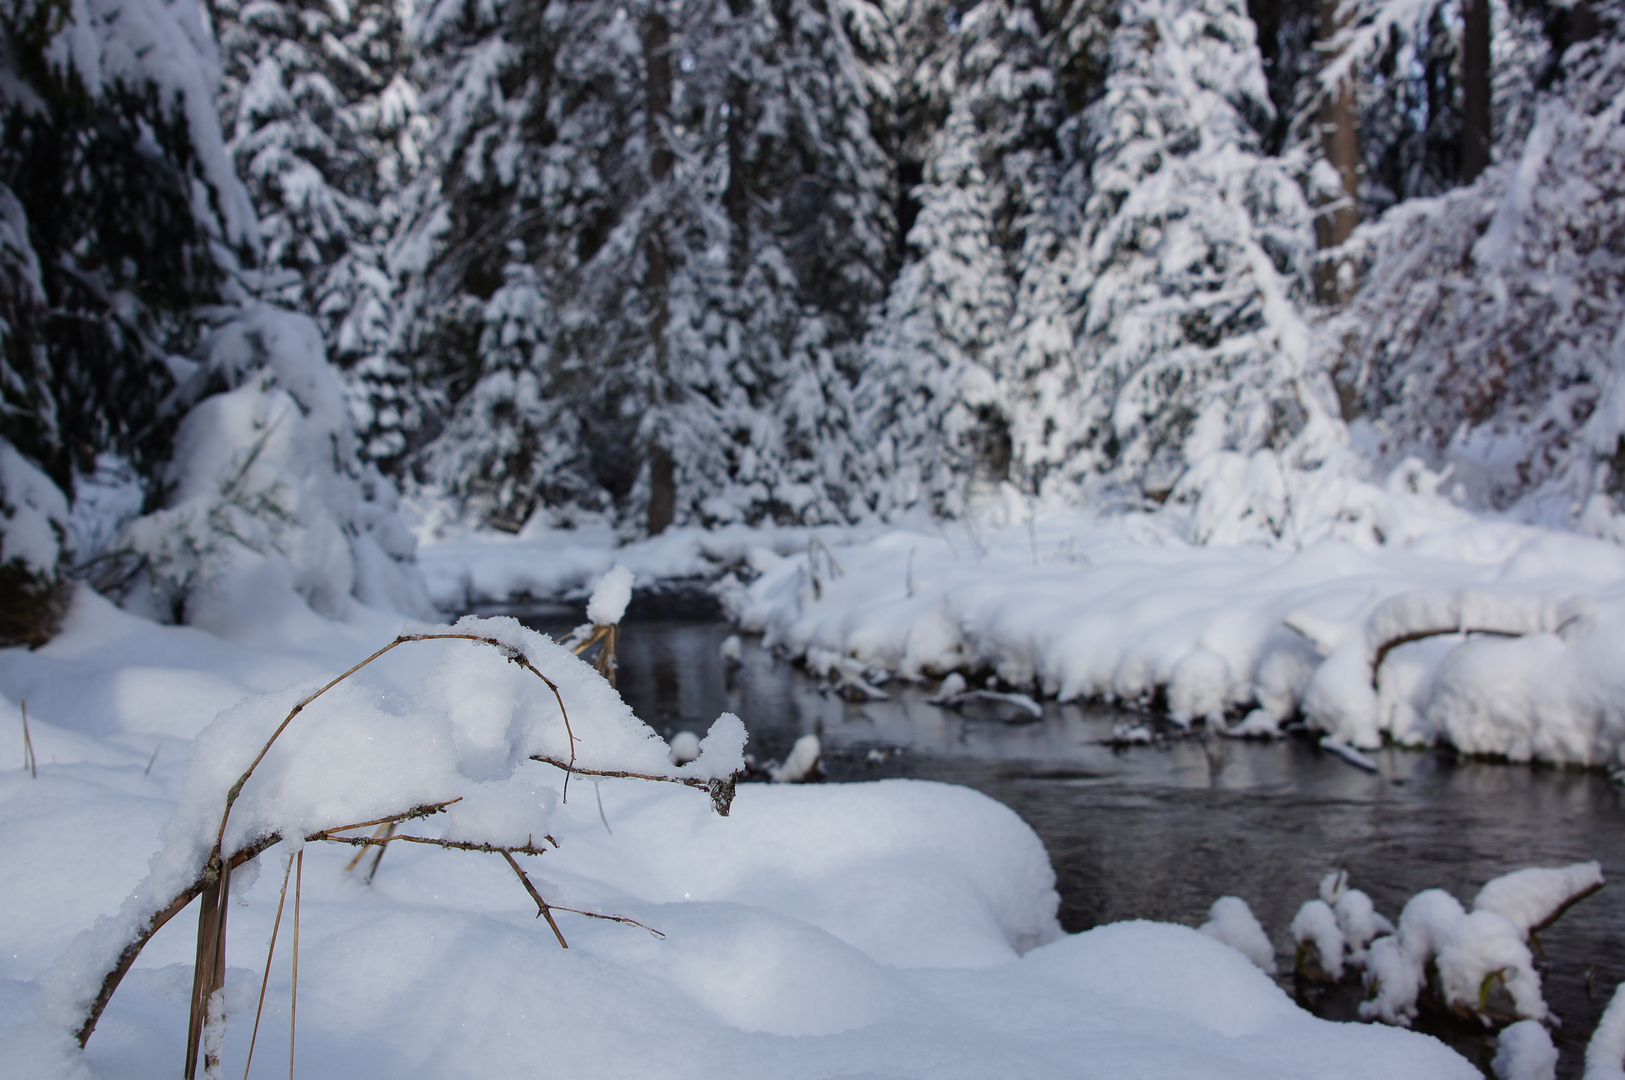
(33,528)
(1477,963)
(266,495)
(1489,332)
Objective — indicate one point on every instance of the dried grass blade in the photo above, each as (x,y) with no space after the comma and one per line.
(217,982)
(28,745)
(378,858)
(293,1001)
(377,834)
(209,965)
(270,951)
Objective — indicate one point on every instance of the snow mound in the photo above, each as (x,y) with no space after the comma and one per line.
(1524,1051)
(1231,921)
(1605,1053)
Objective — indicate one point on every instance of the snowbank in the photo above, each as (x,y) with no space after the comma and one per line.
(467,567)
(1420,623)
(902,928)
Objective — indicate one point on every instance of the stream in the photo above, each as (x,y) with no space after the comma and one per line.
(1159,830)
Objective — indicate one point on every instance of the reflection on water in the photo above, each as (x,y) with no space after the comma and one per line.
(1159,831)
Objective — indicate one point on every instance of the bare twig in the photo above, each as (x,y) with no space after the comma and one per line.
(612,918)
(721,791)
(1563,909)
(541,905)
(1382,650)
(156,922)
(422,811)
(432,841)
(270,951)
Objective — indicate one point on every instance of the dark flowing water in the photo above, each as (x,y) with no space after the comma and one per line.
(1159,831)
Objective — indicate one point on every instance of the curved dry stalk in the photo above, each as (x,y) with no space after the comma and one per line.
(1381,652)
(514,657)
(612,918)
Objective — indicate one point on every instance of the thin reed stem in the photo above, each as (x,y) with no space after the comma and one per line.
(293,1000)
(377,835)
(270,951)
(372,870)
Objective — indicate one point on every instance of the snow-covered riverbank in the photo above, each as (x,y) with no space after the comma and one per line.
(897,929)
(1496,638)
(1416,621)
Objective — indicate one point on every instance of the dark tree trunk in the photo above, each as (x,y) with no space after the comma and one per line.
(1340,142)
(1475,88)
(657,68)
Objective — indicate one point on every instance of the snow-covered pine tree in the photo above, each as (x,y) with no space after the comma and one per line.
(117,204)
(1178,360)
(530,200)
(766,348)
(932,417)
(324,127)
(1406,60)
(693,203)
(1490,331)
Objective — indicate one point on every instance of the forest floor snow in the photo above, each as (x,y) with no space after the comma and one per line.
(898,929)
